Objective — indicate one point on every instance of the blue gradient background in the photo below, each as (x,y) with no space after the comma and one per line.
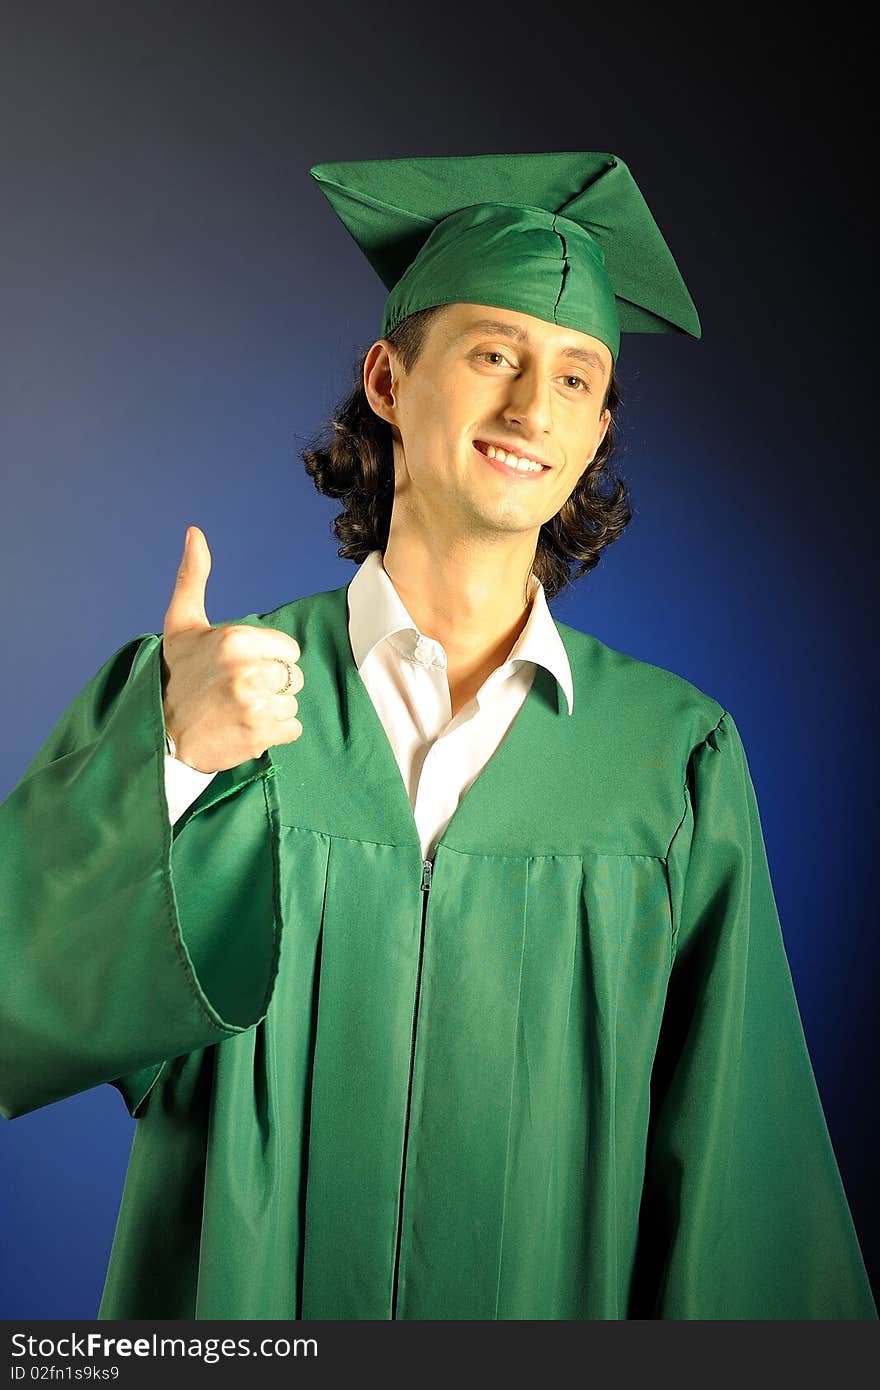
(180,309)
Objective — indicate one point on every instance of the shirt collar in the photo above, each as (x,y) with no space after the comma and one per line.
(377,613)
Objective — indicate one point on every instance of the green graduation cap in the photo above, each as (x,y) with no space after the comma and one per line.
(566,237)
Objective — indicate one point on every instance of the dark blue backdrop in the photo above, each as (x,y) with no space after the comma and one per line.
(180,310)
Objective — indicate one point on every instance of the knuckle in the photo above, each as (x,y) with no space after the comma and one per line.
(250,722)
(227,654)
(233,640)
(238,689)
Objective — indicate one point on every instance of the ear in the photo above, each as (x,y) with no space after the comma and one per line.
(601,430)
(381,373)
(604,422)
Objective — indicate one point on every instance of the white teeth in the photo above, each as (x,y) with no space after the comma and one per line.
(514,461)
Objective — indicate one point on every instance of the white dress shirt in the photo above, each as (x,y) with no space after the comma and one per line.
(405,674)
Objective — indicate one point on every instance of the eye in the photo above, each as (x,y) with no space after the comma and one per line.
(584,386)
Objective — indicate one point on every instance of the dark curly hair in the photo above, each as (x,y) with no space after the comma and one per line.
(352,458)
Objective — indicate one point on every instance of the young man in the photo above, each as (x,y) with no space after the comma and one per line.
(463,995)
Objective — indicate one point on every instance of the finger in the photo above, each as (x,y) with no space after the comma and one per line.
(284,707)
(187,607)
(280,645)
(265,644)
(277,671)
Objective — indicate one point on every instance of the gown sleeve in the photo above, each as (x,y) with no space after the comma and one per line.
(126,941)
(743,1214)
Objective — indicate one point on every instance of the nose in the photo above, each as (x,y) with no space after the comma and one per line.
(530,403)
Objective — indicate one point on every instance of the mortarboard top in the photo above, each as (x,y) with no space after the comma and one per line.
(566,237)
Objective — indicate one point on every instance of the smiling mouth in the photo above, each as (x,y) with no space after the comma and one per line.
(509,469)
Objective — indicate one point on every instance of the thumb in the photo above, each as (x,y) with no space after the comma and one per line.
(187,607)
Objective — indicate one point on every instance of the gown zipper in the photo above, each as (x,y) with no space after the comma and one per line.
(427,875)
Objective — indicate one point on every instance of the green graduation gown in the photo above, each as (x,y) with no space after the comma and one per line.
(557,1073)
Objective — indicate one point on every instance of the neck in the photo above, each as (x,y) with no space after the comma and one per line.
(471,597)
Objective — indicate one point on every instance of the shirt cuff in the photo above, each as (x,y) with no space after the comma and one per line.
(182,785)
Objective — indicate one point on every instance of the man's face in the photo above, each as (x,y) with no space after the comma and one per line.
(496,376)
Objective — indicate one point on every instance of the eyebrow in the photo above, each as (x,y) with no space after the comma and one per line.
(510,330)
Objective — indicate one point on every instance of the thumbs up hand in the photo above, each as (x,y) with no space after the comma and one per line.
(220,686)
